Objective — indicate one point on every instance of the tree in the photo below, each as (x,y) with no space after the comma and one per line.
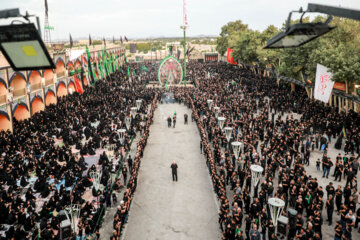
(97,42)
(267,56)
(226,30)
(339,50)
(245,45)
(143,47)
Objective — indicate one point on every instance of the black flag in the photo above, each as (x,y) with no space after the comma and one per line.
(90,40)
(189,50)
(132,47)
(121,40)
(46,8)
(126,38)
(113,40)
(104,42)
(71,42)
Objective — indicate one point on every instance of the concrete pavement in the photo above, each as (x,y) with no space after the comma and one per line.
(163,209)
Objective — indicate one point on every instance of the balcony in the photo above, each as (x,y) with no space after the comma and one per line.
(3,99)
(19,92)
(60,74)
(35,86)
(49,82)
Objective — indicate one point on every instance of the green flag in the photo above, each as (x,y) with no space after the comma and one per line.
(127,64)
(104,63)
(116,66)
(166,86)
(343,132)
(92,81)
(100,65)
(113,62)
(144,68)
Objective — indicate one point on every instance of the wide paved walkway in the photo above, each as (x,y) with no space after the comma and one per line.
(163,209)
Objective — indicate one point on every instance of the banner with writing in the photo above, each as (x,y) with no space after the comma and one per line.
(323,84)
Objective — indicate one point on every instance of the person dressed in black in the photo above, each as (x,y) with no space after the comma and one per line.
(130,163)
(174,167)
(169,121)
(330,208)
(174,121)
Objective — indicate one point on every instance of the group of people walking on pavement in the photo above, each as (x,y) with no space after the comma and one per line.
(172,120)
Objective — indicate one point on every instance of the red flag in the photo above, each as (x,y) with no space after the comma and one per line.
(230,58)
(77,85)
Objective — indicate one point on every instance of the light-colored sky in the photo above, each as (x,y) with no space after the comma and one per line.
(159,18)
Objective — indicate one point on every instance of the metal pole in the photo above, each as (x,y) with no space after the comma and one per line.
(38,25)
(184,27)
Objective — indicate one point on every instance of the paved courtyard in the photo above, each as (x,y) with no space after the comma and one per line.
(163,209)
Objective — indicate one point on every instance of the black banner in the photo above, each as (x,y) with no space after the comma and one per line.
(132,47)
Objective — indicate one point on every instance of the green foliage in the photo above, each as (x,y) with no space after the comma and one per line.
(96,42)
(143,47)
(226,30)
(200,41)
(245,46)
(338,50)
(158,45)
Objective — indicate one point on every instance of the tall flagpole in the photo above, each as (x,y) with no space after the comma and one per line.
(183,27)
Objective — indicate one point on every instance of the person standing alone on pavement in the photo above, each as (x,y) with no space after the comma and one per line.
(174,167)
(174,121)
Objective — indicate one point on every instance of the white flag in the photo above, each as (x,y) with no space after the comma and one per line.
(323,83)
(74,54)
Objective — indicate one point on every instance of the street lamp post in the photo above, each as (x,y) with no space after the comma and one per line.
(228,133)
(276,206)
(236,149)
(72,213)
(122,132)
(138,104)
(128,122)
(221,121)
(96,176)
(209,102)
(133,111)
(217,110)
(256,171)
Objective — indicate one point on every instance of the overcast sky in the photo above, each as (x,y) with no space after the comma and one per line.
(159,18)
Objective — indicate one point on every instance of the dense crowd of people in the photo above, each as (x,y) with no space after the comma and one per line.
(39,177)
(121,215)
(279,130)
(261,114)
